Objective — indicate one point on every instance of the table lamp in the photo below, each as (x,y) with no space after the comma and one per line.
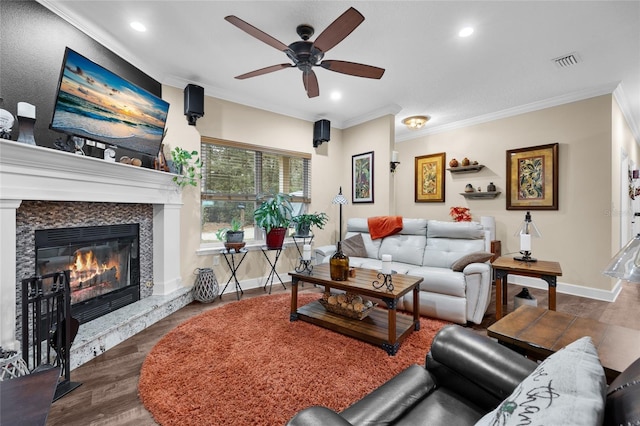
(527,230)
(339,199)
(625,264)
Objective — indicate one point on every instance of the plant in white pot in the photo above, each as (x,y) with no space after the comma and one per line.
(305,221)
(274,215)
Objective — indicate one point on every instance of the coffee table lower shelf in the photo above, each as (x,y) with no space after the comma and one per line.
(372,329)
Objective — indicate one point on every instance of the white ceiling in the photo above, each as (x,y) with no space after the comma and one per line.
(504,68)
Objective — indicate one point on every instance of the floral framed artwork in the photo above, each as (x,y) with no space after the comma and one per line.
(430,178)
(532,178)
(362,177)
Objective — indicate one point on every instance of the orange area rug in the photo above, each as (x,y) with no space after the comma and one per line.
(245,364)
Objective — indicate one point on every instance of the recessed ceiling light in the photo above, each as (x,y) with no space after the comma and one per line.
(466,32)
(138,26)
(336,96)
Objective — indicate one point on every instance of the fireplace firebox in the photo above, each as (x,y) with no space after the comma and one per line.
(103,262)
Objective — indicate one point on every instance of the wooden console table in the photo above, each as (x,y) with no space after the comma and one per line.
(539,332)
(505,265)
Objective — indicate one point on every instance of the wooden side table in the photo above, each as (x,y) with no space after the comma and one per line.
(545,270)
(538,333)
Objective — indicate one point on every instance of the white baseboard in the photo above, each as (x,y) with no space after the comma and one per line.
(572,289)
(252,283)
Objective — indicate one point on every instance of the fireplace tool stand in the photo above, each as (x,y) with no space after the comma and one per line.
(48,327)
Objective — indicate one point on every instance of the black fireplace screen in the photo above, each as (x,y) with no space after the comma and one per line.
(103,263)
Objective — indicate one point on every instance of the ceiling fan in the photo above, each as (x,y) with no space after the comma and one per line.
(307,54)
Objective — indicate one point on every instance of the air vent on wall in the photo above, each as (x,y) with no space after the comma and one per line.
(566,61)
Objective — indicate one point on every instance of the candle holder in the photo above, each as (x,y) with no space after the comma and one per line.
(304,266)
(526,257)
(388,281)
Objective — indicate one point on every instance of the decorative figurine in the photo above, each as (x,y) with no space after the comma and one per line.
(6,124)
(26,120)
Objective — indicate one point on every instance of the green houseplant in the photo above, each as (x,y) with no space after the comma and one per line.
(188,165)
(274,215)
(305,221)
(233,235)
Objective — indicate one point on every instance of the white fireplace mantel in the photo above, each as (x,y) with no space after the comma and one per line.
(29,172)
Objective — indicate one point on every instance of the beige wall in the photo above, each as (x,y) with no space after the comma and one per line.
(578,235)
(582,235)
(230,121)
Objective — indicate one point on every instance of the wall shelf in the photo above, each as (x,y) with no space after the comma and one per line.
(480,195)
(466,169)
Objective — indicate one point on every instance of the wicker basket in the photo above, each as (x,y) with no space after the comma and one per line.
(350,313)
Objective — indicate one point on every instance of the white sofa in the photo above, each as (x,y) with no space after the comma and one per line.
(428,248)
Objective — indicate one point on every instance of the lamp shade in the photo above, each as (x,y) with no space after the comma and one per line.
(626,264)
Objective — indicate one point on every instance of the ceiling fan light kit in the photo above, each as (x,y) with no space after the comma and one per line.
(416,122)
(307,54)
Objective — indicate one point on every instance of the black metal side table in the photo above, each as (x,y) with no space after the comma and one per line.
(273,273)
(230,258)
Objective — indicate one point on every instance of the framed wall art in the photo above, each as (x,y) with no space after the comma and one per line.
(430,178)
(362,177)
(532,178)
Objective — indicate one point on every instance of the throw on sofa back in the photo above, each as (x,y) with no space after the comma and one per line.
(449,241)
(406,246)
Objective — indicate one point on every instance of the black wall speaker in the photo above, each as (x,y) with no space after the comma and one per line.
(193,103)
(321,130)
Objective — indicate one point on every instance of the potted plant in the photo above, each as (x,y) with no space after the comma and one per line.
(305,221)
(188,165)
(235,234)
(274,215)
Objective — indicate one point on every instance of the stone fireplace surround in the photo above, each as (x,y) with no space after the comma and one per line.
(31,173)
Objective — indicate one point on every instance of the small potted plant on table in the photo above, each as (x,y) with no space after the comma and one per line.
(305,221)
(274,215)
(232,237)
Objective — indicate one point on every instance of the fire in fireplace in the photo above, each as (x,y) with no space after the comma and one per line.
(103,262)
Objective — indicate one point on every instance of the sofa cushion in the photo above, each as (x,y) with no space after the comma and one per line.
(443,252)
(372,246)
(568,388)
(463,230)
(404,248)
(440,280)
(354,246)
(475,257)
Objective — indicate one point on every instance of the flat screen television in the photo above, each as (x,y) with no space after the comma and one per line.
(94,103)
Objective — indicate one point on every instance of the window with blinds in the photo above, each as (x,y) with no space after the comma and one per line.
(236,177)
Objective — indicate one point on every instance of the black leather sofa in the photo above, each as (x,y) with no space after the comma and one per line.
(466,376)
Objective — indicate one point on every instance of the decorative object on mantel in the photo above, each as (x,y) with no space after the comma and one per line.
(205,289)
(460,214)
(26,122)
(6,124)
(188,164)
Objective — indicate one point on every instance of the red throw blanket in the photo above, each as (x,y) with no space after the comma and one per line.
(383,226)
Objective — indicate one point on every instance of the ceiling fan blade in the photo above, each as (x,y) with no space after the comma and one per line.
(352,68)
(338,30)
(265,70)
(311,83)
(259,34)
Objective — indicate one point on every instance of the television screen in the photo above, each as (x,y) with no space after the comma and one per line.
(94,103)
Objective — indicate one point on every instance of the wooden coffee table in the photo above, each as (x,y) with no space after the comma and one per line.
(539,332)
(385,328)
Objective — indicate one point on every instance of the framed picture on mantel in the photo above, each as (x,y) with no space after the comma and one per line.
(430,178)
(532,178)
(362,177)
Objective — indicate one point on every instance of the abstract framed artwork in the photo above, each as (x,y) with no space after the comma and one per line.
(362,177)
(532,178)
(430,178)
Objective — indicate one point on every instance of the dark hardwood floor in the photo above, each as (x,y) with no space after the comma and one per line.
(109,395)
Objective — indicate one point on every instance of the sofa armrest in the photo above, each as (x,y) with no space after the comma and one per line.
(388,402)
(475,366)
(324,252)
(315,416)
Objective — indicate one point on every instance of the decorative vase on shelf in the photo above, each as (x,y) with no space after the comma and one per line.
(468,188)
(491,187)
(339,265)
(453,163)
(465,161)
